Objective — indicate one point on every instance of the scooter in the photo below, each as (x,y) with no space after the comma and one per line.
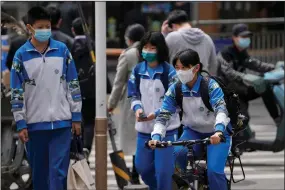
(275,79)
(14,163)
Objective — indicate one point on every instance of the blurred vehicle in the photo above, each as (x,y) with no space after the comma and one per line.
(275,79)
(15,169)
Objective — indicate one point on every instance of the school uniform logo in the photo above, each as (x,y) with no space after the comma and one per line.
(56,71)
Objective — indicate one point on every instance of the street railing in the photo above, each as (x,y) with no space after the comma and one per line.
(265,46)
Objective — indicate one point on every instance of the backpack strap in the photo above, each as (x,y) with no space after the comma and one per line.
(204,92)
(179,95)
(164,76)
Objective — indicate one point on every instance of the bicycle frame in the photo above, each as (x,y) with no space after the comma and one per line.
(194,177)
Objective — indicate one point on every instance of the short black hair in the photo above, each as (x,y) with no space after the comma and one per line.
(177,17)
(156,39)
(25,19)
(37,13)
(188,57)
(77,26)
(135,32)
(55,15)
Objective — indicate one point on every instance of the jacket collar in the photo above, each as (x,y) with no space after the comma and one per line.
(80,37)
(143,69)
(136,44)
(196,86)
(51,45)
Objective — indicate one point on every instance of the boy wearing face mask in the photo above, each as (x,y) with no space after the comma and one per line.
(233,62)
(46,102)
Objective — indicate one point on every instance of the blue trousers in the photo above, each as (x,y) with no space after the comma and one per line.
(48,154)
(156,167)
(216,157)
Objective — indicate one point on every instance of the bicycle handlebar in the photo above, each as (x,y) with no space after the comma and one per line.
(165,144)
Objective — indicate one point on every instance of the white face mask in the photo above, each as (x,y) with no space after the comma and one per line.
(185,76)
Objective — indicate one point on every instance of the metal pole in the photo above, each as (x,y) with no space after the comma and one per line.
(194,12)
(236,21)
(101,109)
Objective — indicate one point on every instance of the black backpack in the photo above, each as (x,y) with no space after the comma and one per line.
(230,97)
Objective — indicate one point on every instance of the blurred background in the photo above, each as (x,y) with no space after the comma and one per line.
(267,45)
(268,36)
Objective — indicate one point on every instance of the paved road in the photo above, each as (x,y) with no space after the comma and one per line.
(263,170)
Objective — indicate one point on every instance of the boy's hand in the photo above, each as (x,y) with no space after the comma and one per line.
(165,29)
(23,135)
(76,128)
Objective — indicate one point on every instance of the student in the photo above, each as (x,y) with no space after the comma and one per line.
(46,102)
(180,35)
(198,121)
(86,75)
(127,60)
(4,69)
(56,22)
(147,85)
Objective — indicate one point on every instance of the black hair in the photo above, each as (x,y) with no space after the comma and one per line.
(77,26)
(55,15)
(37,13)
(25,19)
(4,30)
(156,39)
(188,57)
(135,32)
(177,17)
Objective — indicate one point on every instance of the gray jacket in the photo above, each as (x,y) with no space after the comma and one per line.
(126,127)
(196,39)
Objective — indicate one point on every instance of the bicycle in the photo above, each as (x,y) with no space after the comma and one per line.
(195,176)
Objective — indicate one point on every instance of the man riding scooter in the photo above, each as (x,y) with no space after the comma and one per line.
(233,62)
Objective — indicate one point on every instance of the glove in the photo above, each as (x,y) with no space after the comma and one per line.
(275,75)
(279,64)
(256,82)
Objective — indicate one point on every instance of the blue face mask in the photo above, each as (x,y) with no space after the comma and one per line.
(149,56)
(243,43)
(42,35)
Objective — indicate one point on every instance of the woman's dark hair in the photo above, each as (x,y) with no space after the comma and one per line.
(135,32)
(177,17)
(37,13)
(156,39)
(188,57)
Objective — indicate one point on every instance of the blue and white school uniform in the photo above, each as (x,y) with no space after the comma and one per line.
(200,123)
(155,166)
(46,99)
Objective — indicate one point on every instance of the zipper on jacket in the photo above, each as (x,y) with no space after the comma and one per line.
(51,125)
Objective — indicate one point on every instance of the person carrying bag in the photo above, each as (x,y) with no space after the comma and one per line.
(79,174)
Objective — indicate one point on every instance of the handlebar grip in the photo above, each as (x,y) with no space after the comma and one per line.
(158,144)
